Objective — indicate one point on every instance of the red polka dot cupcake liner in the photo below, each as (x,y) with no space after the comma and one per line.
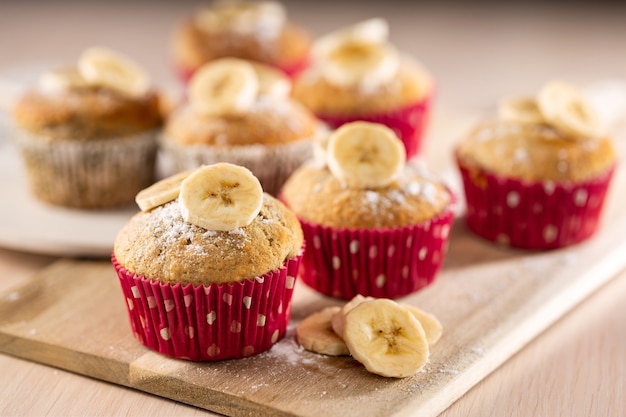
(292,69)
(409,123)
(533,215)
(210,323)
(382,263)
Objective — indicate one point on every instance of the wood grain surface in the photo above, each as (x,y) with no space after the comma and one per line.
(478,54)
(491,301)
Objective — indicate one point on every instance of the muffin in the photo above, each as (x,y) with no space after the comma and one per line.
(208,266)
(256,31)
(88,133)
(356,74)
(536,177)
(240,112)
(373,224)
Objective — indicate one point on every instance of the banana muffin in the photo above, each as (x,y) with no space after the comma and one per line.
(255,31)
(536,177)
(87,133)
(208,266)
(240,112)
(357,74)
(373,224)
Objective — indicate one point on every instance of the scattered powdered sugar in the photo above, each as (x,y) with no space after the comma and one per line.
(449,371)
(520,154)
(238,231)
(287,350)
(410,187)
(372,197)
(414,188)
(267,221)
(429,192)
(167,223)
(478,350)
(283,107)
(396,196)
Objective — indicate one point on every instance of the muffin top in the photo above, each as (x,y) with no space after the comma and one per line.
(363,195)
(86,114)
(362,72)
(535,152)
(317,196)
(164,242)
(104,96)
(554,136)
(235,102)
(256,31)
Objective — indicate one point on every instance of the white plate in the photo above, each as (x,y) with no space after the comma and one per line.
(33,226)
(29,225)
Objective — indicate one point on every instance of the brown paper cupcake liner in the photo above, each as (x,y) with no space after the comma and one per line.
(210,322)
(88,174)
(271,164)
(533,215)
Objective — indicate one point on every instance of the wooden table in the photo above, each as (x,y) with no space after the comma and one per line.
(576,368)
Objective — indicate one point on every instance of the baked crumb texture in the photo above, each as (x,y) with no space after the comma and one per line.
(535,152)
(193,47)
(317,196)
(161,246)
(272,139)
(412,84)
(86,114)
(270,121)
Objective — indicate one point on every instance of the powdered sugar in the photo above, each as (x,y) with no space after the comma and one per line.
(168,223)
(414,188)
(372,197)
(429,192)
(409,188)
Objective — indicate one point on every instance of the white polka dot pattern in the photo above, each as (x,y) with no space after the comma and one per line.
(540,215)
(381,263)
(235,326)
(247,351)
(224,321)
(210,317)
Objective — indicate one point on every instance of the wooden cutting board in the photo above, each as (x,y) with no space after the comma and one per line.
(491,301)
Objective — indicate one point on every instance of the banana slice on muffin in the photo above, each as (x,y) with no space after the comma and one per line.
(365,155)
